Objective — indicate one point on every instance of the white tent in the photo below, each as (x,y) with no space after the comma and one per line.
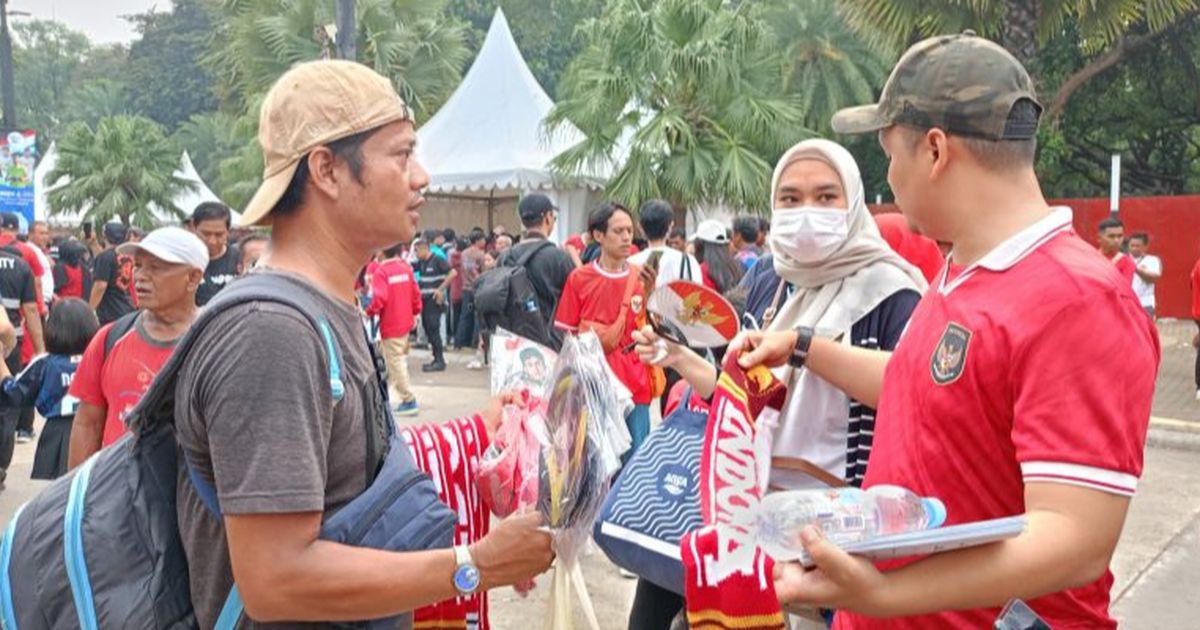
(186,200)
(487,145)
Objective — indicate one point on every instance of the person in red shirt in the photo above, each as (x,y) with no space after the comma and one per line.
(1111,237)
(396,301)
(921,251)
(606,297)
(72,278)
(168,267)
(999,398)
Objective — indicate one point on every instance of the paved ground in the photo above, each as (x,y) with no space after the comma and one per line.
(1156,565)
(1175,394)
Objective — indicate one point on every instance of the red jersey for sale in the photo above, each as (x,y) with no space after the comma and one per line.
(593,294)
(1036,364)
(119,382)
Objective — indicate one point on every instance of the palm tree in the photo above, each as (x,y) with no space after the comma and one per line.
(831,66)
(209,138)
(122,168)
(687,95)
(1110,29)
(407,40)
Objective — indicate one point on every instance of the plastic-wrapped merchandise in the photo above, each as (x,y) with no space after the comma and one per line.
(519,364)
(508,471)
(581,453)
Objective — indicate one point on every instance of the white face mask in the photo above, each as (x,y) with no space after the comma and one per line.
(808,234)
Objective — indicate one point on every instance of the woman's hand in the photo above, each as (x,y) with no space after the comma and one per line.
(654,350)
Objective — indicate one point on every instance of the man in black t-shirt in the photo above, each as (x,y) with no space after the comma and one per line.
(112,277)
(20,302)
(211,222)
(549,267)
(433,276)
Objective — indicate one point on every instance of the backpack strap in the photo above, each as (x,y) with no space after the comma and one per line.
(525,257)
(266,287)
(119,329)
(254,288)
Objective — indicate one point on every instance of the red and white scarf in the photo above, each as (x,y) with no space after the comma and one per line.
(450,454)
(729,581)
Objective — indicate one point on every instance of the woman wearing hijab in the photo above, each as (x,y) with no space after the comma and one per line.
(828,270)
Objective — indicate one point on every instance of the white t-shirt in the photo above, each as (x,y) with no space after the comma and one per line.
(671,266)
(1143,289)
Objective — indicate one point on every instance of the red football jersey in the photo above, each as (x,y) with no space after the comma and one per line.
(594,294)
(1036,364)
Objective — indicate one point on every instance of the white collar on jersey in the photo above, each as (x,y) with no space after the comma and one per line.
(1013,250)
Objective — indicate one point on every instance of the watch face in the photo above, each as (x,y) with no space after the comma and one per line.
(466,578)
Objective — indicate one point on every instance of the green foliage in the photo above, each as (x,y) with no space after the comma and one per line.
(1147,109)
(46,55)
(121,168)
(1022,25)
(165,79)
(692,90)
(407,40)
(544,31)
(209,138)
(831,66)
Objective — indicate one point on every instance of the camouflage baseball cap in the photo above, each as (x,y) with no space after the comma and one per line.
(963,84)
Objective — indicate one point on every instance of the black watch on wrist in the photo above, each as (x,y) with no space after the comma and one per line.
(804,337)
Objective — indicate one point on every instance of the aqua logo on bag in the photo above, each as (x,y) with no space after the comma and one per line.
(675,483)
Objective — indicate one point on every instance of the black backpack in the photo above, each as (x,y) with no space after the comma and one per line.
(100,547)
(506,298)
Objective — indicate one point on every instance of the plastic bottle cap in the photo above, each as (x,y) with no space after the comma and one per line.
(936,511)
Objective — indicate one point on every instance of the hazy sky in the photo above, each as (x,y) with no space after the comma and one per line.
(99,19)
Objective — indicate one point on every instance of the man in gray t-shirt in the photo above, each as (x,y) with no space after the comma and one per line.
(254,409)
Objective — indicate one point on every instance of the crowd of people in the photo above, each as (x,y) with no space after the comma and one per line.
(959,359)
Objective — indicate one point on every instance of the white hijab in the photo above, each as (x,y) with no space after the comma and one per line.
(832,294)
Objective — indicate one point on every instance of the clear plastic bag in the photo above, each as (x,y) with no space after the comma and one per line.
(508,471)
(519,364)
(581,453)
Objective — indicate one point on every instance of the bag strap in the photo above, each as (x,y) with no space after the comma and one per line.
(264,287)
(525,257)
(773,309)
(119,329)
(796,464)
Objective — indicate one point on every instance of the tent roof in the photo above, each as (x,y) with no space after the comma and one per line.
(187,200)
(489,135)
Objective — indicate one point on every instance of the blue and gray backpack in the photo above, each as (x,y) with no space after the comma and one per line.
(100,547)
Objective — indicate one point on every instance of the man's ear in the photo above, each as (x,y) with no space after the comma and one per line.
(936,145)
(322,173)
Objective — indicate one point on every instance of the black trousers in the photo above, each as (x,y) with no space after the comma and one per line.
(653,607)
(431,321)
(1198,361)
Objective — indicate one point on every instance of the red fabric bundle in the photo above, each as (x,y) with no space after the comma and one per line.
(450,454)
(728,579)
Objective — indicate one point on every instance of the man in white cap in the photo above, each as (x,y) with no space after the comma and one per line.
(341,183)
(114,373)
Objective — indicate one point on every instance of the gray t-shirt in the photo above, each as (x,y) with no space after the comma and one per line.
(253,405)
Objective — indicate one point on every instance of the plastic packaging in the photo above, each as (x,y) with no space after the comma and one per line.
(845,515)
(581,453)
(508,471)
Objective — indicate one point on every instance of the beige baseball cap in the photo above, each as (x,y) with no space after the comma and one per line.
(312,104)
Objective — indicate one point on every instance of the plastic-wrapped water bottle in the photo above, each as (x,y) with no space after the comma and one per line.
(845,515)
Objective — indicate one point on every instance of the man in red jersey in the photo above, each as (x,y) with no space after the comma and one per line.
(1111,237)
(606,297)
(998,399)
